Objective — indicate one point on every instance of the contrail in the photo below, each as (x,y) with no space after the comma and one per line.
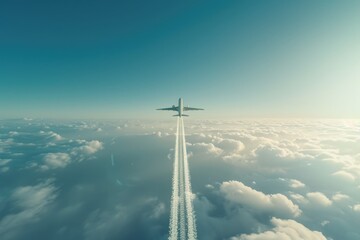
(192,233)
(182,189)
(174,198)
(112,159)
(182,217)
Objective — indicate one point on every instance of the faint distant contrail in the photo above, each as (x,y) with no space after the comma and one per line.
(182,217)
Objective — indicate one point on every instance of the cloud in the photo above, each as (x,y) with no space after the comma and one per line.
(62,159)
(3,165)
(230,145)
(55,160)
(100,224)
(273,151)
(3,162)
(88,147)
(33,196)
(356,208)
(299,198)
(4,169)
(52,135)
(279,204)
(339,197)
(296,183)
(140,219)
(284,230)
(325,222)
(30,202)
(255,151)
(319,198)
(55,136)
(344,175)
(157,210)
(213,144)
(13,133)
(158,134)
(209,148)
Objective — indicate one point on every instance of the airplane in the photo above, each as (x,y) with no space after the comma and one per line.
(180,109)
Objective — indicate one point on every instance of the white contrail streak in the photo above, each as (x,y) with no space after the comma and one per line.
(182,189)
(192,233)
(182,217)
(174,198)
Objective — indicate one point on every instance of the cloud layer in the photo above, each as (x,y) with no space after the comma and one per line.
(277,204)
(284,230)
(252,179)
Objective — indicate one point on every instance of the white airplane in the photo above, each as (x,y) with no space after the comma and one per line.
(180,109)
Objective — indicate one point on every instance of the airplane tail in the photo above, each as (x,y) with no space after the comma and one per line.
(178,115)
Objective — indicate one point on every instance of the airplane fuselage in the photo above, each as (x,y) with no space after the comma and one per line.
(180,109)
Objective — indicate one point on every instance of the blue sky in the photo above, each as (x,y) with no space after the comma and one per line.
(122,59)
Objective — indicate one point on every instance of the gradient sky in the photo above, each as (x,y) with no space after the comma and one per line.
(122,59)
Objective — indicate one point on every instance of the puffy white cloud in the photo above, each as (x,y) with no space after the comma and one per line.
(56,136)
(88,147)
(230,145)
(339,197)
(344,175)
(356,208)
(55,160)
(231,150)
(299,198)
(284,230)
(279,204)
(271,151)
(296,183)
(318,198)
(79,152)
(209,186)
(52,135)
(209,148)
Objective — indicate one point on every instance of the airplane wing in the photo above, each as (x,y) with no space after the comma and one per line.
(190,109)
(168,109)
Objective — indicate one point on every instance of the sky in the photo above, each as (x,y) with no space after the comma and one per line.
(123,59)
